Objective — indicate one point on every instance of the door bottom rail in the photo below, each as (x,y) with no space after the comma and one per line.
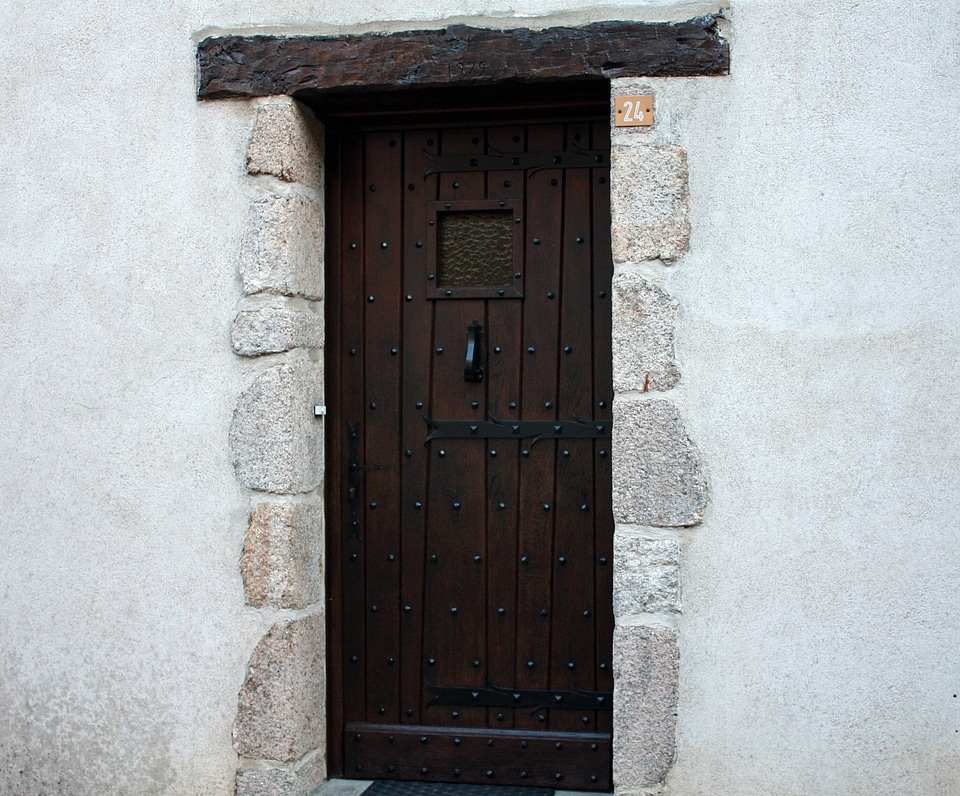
(566,760)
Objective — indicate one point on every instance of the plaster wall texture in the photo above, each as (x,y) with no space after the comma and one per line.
(817,345)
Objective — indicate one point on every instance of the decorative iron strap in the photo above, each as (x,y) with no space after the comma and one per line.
(522,429)
(532,161)
(496,697)
(354,488)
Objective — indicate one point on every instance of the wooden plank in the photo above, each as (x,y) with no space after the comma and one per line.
(603,402)
(454,612)
(350,410)
(504,335)
(383,238)
(417,325)
(335,456)
(572,645)
(259,66)
(470,455)
(538,461)
(575,761)
(456,626)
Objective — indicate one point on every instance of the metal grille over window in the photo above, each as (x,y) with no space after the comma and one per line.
(475,249)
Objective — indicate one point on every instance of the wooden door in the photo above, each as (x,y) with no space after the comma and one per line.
(470,532)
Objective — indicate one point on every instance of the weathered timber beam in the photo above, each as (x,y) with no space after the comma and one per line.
(258,66)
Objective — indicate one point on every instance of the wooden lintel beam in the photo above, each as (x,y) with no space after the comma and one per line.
(258,66)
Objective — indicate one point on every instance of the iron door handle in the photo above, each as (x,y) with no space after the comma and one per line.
(473,365)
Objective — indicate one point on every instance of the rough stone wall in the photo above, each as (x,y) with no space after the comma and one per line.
(277,446)
(659,487)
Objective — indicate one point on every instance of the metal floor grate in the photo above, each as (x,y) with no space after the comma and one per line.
(395,787)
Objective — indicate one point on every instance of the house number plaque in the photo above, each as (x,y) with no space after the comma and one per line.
(633,111)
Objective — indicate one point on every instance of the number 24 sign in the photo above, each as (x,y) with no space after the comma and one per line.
(635,111)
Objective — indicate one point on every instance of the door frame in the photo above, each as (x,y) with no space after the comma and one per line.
(278,732)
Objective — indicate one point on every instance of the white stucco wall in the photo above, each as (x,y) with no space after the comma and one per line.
(818,348)
(122,631)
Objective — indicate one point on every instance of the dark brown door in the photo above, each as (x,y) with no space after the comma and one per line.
(471,530)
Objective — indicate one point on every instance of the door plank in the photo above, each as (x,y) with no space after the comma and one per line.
(572,649)
(504,335)
(457,505)
(544,199)
(351,390)
(455,591)
(417,324)
(335,485)
(382,249)
(603,400)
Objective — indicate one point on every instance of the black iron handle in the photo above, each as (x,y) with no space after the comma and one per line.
(473,366)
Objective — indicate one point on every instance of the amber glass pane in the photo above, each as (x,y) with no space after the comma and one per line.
(475,249)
